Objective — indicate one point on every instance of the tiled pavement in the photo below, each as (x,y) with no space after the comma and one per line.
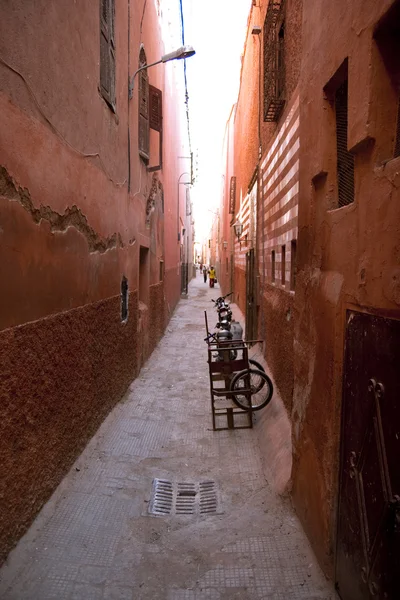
(95,538)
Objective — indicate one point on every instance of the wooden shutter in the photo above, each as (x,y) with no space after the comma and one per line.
(144,131)
(155,111)
(107,51)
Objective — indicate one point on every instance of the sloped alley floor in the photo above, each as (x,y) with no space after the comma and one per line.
(95,538)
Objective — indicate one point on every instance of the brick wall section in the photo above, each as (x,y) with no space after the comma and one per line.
(277,228)
(280,194)
(75,366)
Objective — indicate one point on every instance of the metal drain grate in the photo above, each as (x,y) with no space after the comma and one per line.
(161,497)
(208,497)
(168,498)
(186,499)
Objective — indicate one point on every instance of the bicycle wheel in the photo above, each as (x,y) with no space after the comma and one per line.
(245,389)
(255,365)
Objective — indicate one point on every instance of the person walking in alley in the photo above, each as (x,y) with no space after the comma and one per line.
(205,273)
(211,275)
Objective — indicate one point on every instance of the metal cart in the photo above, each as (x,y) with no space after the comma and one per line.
(225,359)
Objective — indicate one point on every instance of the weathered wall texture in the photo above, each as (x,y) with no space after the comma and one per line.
(278,240)
(277,199)
(79,211)
(61,375)
(349,256)
(345,256)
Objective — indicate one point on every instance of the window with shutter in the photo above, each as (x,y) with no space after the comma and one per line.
(107,51)
(155,101)
(144,131)
(155,121)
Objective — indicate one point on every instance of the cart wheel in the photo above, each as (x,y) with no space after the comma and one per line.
(256,382)
(253,383)
(256,365)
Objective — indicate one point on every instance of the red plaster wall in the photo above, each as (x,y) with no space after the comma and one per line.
(275,302)
(59,380)
(347,256)
(74,217)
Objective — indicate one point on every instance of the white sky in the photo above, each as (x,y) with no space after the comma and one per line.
(216,29)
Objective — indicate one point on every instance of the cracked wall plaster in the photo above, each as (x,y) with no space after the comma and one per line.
(72,217)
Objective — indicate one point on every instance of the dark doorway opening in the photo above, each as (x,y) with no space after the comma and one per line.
(124,299)
(144,275)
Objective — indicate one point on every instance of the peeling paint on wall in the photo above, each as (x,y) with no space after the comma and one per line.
(72,217)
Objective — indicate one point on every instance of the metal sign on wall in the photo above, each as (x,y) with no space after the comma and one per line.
(232,196)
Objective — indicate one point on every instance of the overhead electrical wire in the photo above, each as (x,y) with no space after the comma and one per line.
(186,88)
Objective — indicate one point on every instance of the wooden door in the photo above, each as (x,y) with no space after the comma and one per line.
(368,541)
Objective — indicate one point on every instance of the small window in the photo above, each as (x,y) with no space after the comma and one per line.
(144,127)
(283,265)
(107,52)
(273,266)
(345,160)
(161,270)
(124,299)
(293,258)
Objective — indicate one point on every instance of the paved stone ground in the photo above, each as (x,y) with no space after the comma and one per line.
(95,538)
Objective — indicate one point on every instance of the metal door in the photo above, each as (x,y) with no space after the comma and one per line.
(368,542)
(250,296)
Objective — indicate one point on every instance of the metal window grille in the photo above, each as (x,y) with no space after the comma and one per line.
(397,140)
(345,160)
(274,60)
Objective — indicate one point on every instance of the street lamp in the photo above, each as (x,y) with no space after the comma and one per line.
(238,228)
(182,52)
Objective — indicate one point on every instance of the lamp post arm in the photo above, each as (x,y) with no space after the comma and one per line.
(132,79)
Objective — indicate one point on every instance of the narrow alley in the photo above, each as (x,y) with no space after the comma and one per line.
(96,539)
